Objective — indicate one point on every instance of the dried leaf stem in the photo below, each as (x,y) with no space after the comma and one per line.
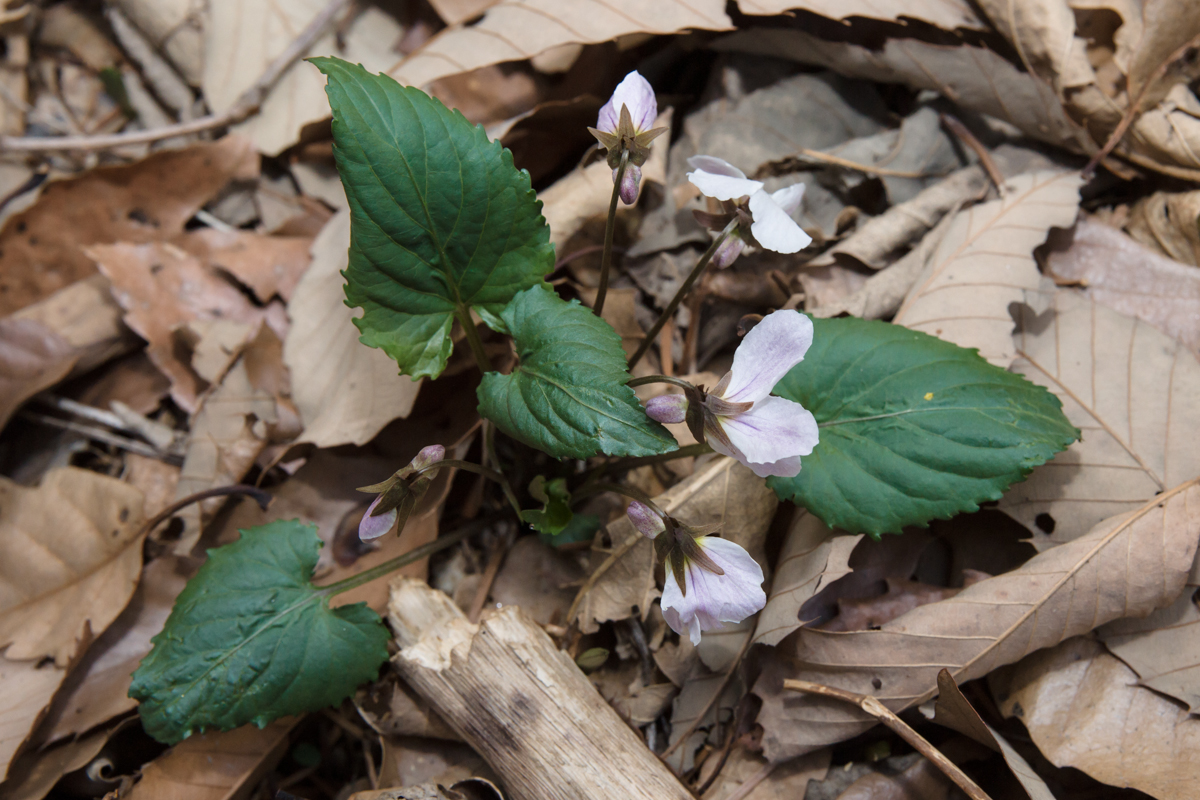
(669,311)
(882,713)
(261,496)
(985,158)
(247,104)
(610,227)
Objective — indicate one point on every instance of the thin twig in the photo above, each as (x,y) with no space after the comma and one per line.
(985,158)
(882,713)
(712,701)
(1135,107)
(485,583)
(260,496)
(817,155)
(247,104)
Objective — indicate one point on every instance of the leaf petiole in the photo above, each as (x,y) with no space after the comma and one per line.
(479,469)
(609,230)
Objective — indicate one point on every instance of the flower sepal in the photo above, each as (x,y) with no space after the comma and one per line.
(399,494)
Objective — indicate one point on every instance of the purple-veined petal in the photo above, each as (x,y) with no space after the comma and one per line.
(715,166)
(629,184)
(645,520)
(774,430)
(667,408)
(636,93)
(729,250)
(374,527)
(722,187)
(789,198)
(773,228)
(769,351)
(712,599)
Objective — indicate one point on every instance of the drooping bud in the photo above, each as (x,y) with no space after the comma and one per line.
(647,522)
(629,184)
(667,408)
(428,456)
(373,527)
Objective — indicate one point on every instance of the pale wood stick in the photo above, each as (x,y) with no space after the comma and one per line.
(245,106)
(882,713)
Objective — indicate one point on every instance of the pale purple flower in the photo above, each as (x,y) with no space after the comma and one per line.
(399,493)
(709,598)
(636,94)
(764,220)
(644,518)
(667,408)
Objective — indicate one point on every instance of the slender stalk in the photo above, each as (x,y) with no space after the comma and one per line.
(261,496)
(645,379)
(683,290)
(882,713)
(633,463)
(609,229)
(472,334)
(628,491)
(478,469)
(393,564)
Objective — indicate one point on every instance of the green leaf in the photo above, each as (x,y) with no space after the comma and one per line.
(912,428)
(581,528)
(555,514)
(441,222)
(250,639)
(568,397)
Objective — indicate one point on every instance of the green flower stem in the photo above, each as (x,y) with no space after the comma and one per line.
(628,491)
(645,379)
(683,290)
(634,463)
(609,230)
(478,469)
(393,564)
(472,334)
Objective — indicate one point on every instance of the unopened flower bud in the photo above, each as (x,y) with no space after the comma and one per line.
(648,523)
(629,184)
(374,527)
(428,456)
(667,409)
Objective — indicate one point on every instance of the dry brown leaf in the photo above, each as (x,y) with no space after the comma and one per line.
(954,711)
(1117,272)
(270,265)
(985,263)
(33,775)
(694,698)
(229,431)
(919,779)
(453,12)
(70,555)
(812,557)
(1133,392)
(1163,648)
(26,688)
(232,63)
(788,781)
(1126,566)
(902,596)
(163,288)
(176,28)
(722,491)
(87,317)
(973,77)
(32,358)
(345,391)
(1168,222)
(539,579)
(1084,709)
(948,14)
(215,766)
(40,249)
(514,30)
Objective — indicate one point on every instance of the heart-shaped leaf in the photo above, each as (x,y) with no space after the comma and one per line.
(250,639)
(912,428)
(442,223)
(568,397)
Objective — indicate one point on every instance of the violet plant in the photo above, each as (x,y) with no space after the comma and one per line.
(868,425)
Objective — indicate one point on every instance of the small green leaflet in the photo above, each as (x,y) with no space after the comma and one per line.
(441,222)
(568,397)
(555,514)
(912,428)
(250,639)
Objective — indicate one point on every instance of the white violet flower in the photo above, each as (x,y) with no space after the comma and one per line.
(624,126)
(399,494)
(740,417)
(764,220)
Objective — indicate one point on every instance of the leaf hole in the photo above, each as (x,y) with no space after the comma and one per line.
(1044,522)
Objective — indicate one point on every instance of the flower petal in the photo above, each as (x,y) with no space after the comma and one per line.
(720,179)
(636,93)
(769,351)
(667,408)
(712,599)
(774,430)
(789,198)
(648,523)
(374,527)
(729,250)
(773,228)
